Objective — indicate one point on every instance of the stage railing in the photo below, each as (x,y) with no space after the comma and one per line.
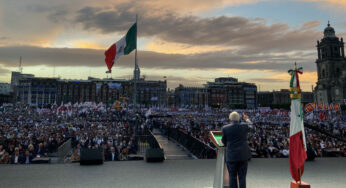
(64,150)
(195,146)
(323,131)
(146,140)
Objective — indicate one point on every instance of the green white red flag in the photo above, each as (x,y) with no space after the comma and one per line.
(123,47)
(297,146)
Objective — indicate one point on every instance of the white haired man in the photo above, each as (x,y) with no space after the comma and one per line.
(234,137)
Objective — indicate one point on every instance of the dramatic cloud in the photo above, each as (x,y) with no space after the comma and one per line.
(178,36)
(4,71)
(254,35)
(334,3)
(33,56)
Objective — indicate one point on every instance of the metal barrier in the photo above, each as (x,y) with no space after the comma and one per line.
(196,147)
(318,129)
(146,140)
(64,150)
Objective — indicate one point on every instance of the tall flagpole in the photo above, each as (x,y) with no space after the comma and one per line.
(135,73)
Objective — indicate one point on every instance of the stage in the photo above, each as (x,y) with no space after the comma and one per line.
(266,173)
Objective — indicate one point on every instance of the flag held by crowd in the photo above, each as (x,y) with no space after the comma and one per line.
(123,47)
(309,108)
(297,146)
(312,107)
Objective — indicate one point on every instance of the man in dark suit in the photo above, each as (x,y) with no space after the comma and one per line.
(234,137)
(27,158)
(16,158)
(113,155)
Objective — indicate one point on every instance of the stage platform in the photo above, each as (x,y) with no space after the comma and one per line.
(262,173)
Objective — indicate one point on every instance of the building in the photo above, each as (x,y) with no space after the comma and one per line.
(5,88)
(5,98)
(265,98)
(149,92)
(307,97)
(37,91)
(191,96)
(171,98)
(268,98)
(228,92)
(16,76)
(331,69)
(6,94)
(44,91)
(75,91)
(281,97)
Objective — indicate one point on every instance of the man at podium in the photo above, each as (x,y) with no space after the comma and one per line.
(234,137)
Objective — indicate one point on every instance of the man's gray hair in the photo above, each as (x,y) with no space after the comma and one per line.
(234,116)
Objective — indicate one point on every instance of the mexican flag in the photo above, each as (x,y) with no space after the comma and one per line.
(123,47)
(297,153)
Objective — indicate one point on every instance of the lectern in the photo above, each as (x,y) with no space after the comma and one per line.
(221,173)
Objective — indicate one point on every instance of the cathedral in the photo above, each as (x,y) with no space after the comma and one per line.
(331,69)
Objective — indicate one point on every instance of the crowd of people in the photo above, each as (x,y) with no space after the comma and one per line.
(269,136)
(109,130)
(27,133)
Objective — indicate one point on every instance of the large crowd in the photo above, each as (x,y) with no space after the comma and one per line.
(27,133)
(269,136)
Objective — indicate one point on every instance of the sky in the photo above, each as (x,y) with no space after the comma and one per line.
(189,42)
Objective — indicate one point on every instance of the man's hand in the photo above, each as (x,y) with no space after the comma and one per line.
(245,117)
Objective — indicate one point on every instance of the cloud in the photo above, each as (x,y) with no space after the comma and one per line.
(4,71)
(171,22)
(335,3)
(3,38)
(33,56)
(253,35)
(178,48)
(27,23)
(87,44)
(190,6)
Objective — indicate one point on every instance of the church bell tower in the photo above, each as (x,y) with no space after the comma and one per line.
(331,68)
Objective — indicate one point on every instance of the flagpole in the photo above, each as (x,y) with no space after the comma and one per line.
(134,73)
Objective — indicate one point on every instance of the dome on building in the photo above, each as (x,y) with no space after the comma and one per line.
(329,32)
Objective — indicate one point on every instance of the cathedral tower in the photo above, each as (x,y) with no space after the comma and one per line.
(331,68)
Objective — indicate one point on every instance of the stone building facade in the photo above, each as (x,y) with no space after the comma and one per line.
(331,69)
(43,91)
(191,96)
(229,93)
(282,97)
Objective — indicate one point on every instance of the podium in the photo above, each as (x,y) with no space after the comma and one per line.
(221,177)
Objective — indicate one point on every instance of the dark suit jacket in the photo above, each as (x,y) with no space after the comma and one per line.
(20,159)
(109,156)
(234,137)
(41,151)
(24,159)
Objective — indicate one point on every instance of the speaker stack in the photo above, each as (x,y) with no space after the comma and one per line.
(91,156)
(154,155)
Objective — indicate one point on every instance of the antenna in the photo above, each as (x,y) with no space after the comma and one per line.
(20,64)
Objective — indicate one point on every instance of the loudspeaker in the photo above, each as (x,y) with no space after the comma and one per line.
(154,155)
(91,156)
